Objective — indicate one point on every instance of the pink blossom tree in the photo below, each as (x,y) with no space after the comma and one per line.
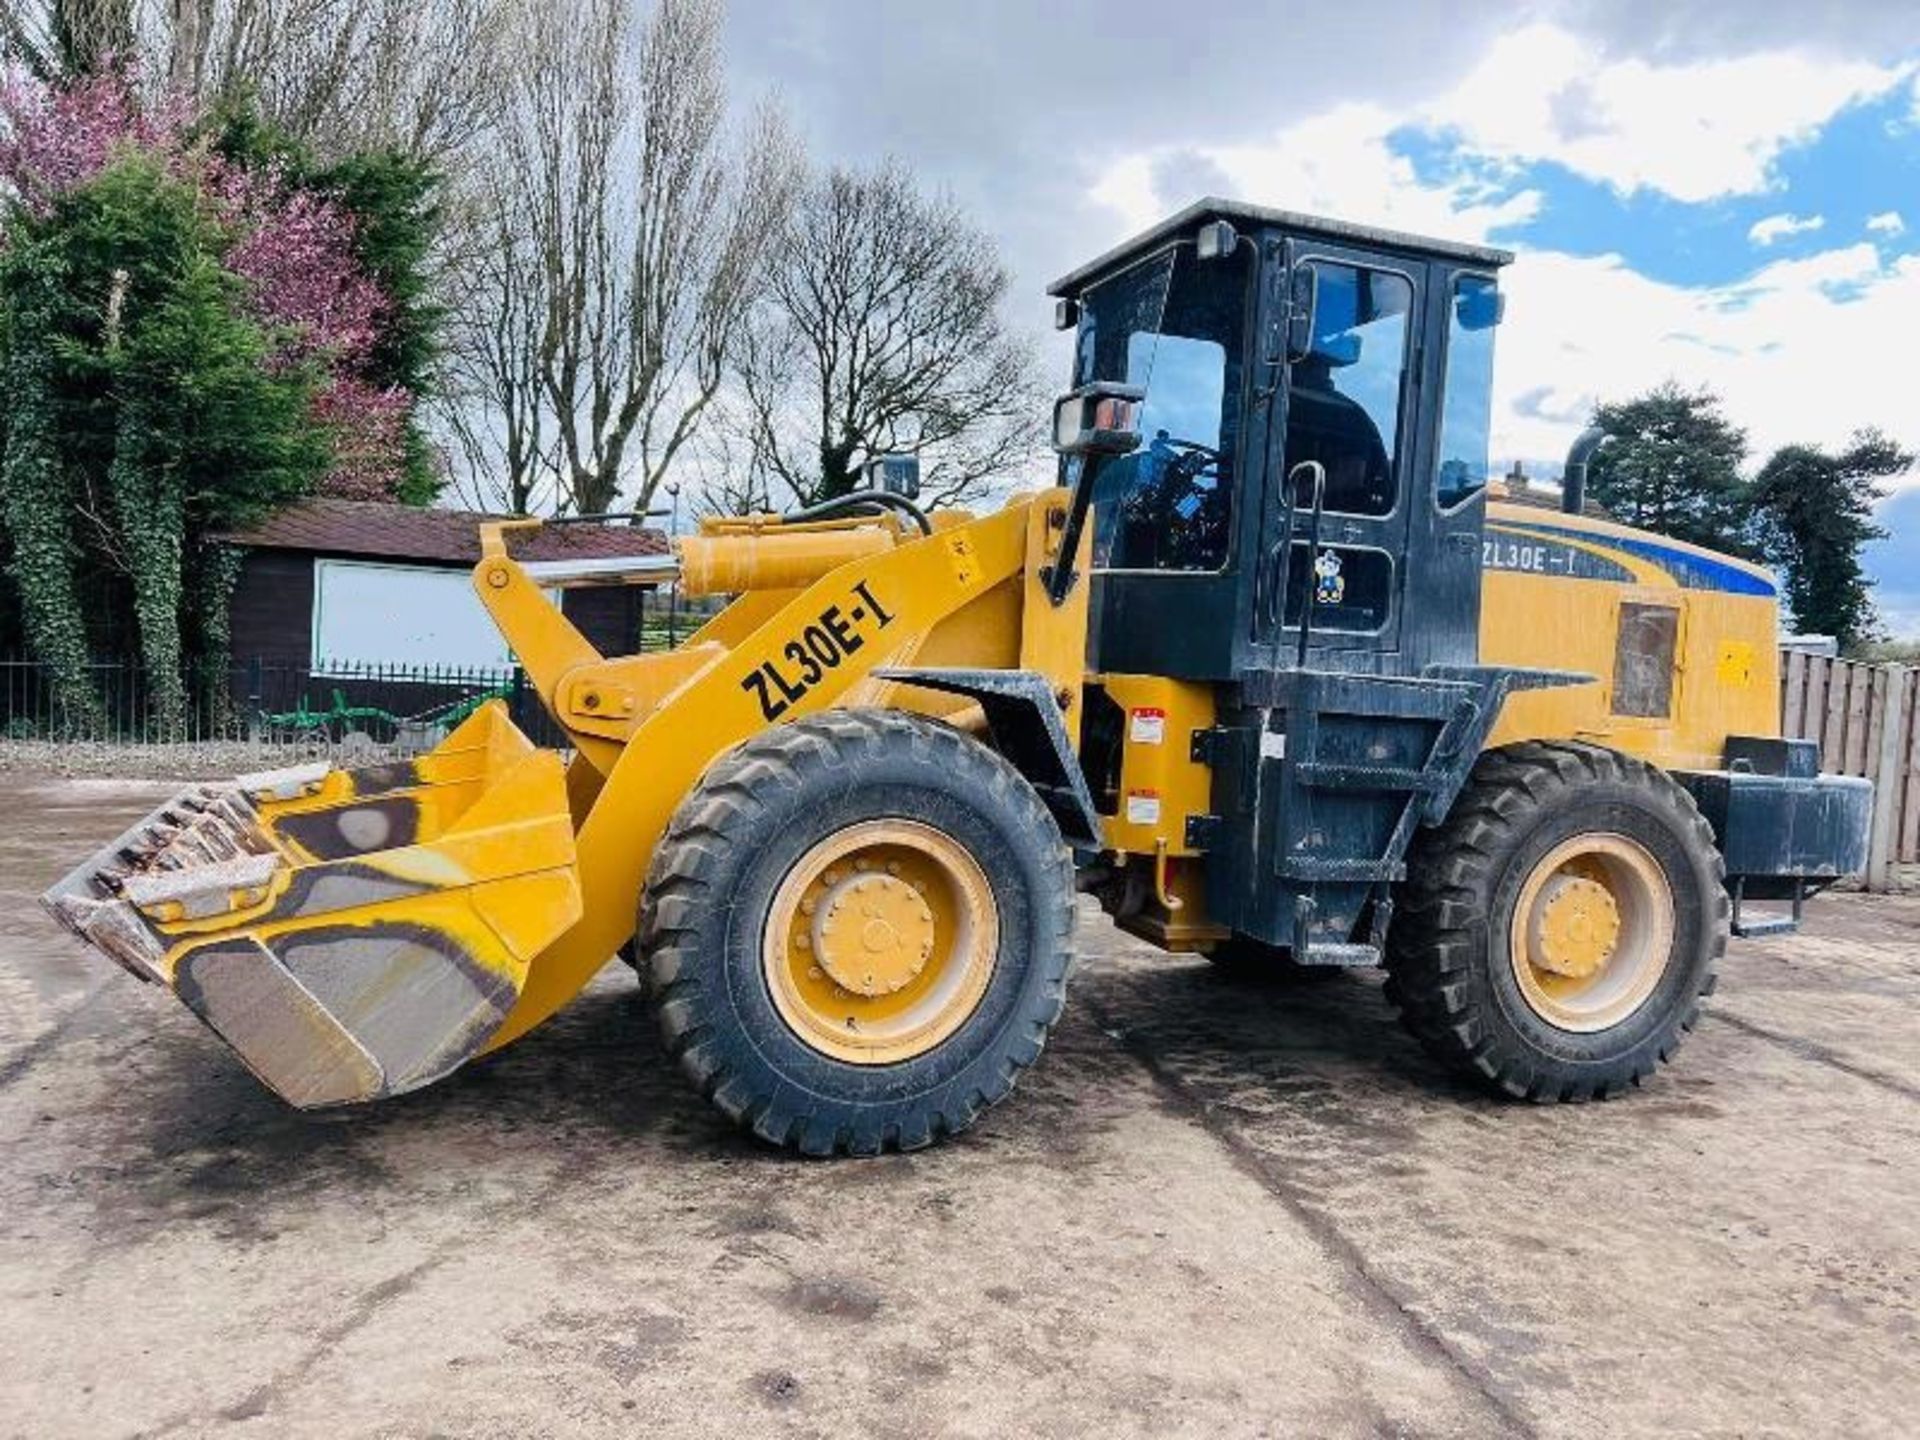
(293,250)
(55,138)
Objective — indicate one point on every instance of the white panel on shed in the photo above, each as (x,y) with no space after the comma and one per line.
(367,614)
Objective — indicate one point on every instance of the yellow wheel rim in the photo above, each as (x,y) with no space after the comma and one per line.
(1592,932)
(880,942)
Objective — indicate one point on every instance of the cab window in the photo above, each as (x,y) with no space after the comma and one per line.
(1169,505)
(1343,397)
(1467,403)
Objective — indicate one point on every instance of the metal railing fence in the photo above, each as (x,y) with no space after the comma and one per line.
(264,702)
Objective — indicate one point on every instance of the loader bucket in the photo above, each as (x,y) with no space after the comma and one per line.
(350,933)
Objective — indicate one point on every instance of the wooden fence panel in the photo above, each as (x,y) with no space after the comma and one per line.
(1793,691)
(1910,775)
(1876,721)
(1856,758)
(1832,734)
(1844,707)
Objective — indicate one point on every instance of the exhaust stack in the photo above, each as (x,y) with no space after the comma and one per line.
(1573,481)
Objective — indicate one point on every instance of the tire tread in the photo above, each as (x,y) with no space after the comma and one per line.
(720,818)
(1451,877)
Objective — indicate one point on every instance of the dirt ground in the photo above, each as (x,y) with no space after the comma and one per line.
(1211,1210)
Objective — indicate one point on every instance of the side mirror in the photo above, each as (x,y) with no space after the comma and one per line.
(1098,419)
(1303,299)
(895,474)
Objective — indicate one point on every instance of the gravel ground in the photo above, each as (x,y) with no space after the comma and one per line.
(196,760)
(1211,1210)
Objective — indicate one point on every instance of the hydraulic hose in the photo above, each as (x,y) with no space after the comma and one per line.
(858,501)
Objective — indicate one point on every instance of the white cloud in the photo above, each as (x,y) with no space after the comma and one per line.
(1695,131)
(1779,227)
(1888,223)
(1335,163)
(1799,350)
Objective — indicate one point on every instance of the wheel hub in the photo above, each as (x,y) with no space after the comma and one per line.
(1592,931)
(872,933)
(881,941)
(1578,928)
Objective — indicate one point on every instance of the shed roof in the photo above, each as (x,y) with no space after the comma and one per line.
(439,537)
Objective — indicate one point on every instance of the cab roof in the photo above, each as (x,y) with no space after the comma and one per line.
(1249,217)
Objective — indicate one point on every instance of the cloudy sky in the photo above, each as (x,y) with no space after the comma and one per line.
(1724,193)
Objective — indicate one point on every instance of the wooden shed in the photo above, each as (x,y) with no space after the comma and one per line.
(347,584)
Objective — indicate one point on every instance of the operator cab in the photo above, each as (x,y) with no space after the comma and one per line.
(1238,368)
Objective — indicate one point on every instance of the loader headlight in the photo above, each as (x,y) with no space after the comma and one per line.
(1098,419)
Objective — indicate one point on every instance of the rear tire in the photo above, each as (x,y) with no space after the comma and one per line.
(1556,935)
(953,896)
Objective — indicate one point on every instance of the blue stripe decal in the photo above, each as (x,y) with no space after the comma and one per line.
(1694,572)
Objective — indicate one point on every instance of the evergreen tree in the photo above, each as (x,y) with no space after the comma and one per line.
(37,480)
(1814,513)
(167,419)
(1674,467)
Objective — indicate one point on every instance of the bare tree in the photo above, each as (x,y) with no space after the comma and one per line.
(881,333)
(731,478)
(649,229)
(338,74)
(52,38)
(490,398)
(423,76)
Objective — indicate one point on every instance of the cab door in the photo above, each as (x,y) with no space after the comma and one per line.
(1349,402)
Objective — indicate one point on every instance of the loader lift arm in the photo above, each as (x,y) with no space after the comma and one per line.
(828,638)
(361,933)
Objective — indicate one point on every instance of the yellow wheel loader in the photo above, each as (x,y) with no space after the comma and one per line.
(1268,672)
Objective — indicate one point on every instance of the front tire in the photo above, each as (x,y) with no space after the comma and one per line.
(1556,935)
(858,930)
